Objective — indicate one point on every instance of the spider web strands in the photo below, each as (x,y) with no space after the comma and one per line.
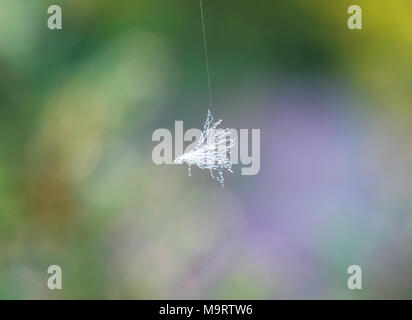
(214,145)
(213,155)
(212,150)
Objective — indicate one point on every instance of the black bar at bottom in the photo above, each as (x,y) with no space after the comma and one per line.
(203,309)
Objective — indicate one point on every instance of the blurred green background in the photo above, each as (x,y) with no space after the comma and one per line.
(78,187)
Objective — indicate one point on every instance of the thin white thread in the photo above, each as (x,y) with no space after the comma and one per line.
(206,55)
(212,150)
